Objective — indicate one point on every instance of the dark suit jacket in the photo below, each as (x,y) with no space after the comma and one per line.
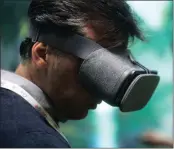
(21,126)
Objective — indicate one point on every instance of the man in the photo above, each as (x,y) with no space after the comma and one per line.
(156,139)
(148,139)
(48,77)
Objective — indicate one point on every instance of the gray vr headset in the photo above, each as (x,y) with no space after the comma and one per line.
(113,76)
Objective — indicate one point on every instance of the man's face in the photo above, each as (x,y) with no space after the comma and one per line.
(70,99)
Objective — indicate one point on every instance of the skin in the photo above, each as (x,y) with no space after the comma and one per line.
(156,139)
(57,76)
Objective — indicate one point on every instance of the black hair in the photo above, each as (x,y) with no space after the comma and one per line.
(115,15)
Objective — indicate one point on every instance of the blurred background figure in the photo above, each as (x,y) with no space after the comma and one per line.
(149,140)
(155,139)
(107,126)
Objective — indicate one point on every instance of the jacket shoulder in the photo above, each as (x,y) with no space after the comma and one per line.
(22,126)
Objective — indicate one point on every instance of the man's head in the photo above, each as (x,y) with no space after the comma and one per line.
(109,23)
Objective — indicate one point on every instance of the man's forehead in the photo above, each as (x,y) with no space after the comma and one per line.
(98,33)
(89,31)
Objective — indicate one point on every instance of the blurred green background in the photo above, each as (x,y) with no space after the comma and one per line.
(107,126)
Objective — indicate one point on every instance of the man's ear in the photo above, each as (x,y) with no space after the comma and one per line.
(39,51)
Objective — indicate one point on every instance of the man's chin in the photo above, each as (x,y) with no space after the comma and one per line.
(79,116)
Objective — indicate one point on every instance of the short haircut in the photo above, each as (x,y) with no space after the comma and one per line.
(114,15)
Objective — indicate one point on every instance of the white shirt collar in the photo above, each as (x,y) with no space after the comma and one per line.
(28,86)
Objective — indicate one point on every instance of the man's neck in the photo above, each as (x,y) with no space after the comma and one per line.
(23,71)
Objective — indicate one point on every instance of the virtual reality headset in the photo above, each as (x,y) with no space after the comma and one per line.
(113,76)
